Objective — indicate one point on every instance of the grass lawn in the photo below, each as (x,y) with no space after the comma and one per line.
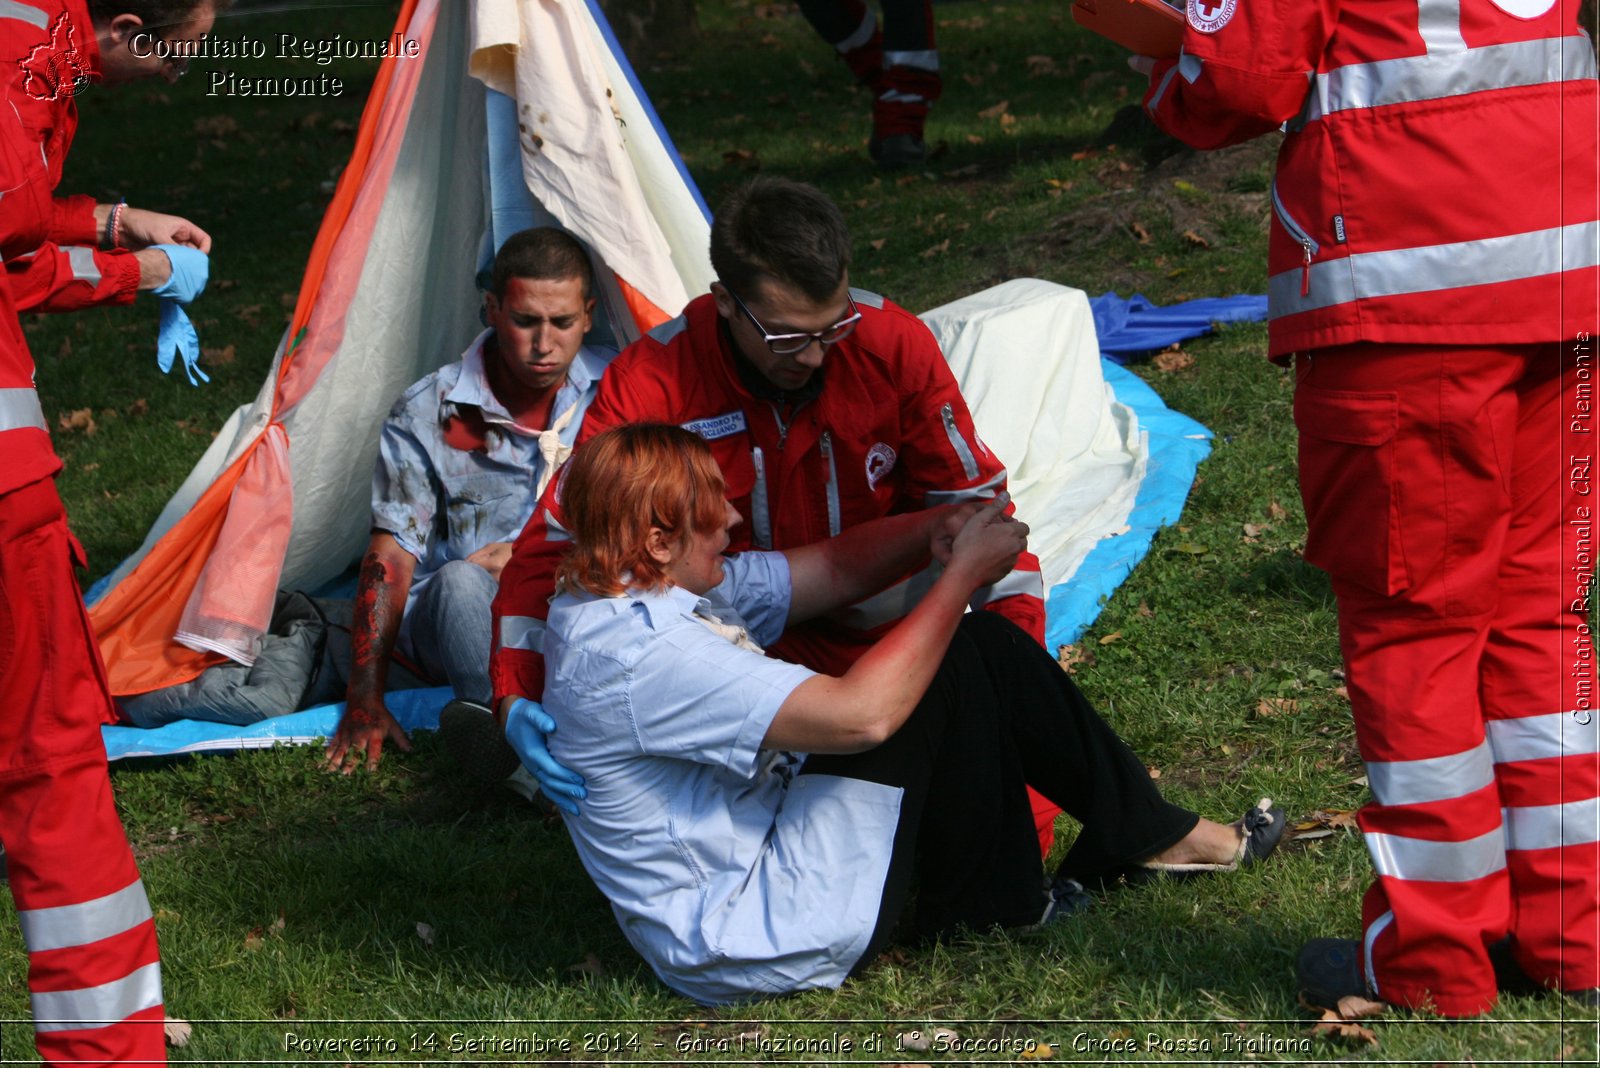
(407,907)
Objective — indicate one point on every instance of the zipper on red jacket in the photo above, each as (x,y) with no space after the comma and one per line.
(783,427)
(760,507)
(1298,232)
(833,485)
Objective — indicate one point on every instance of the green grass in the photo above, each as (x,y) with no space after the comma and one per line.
(287,898)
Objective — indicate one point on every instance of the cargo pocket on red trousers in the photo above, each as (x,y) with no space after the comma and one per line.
(1347,481)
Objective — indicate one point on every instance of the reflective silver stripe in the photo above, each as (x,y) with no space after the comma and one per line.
(670,329)
(97,1006)
(867,297)
(925,59)
(1538,737)
(1417,782)
(969,463)
(1402,271)
(553,530)
(522,632)
(1017,583)
(1367,943)
(888,605)
(84,269)
(1422,859)
(10,9)
(983,491)
(760,517)
(862,33)
(900,96)
(1436,77)
(1161,90)
(1552,826)
(1439,22)
(833,485)
(20,408)
(88,921)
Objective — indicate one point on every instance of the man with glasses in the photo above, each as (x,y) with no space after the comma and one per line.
(825,407)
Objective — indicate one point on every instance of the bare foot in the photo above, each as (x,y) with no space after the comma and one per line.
(1208,843)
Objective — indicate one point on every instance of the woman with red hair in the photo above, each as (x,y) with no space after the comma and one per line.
(756,826)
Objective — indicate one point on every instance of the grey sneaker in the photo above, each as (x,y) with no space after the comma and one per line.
(471,735)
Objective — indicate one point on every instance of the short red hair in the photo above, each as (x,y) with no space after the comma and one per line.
(618,486)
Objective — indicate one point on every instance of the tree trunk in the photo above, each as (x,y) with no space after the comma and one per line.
(649,27)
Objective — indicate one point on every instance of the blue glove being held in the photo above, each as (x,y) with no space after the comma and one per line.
(528,726)
(177,338)
(190,270)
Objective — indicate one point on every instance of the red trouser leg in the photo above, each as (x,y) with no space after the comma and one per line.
(1407,458)
(1538,679)
(93,969)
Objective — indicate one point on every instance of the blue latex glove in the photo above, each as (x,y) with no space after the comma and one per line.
(527,727)
(177,338)
(190,270)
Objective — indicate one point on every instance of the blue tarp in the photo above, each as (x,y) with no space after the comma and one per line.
(1128,326)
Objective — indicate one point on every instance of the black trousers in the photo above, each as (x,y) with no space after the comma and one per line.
(1001,713)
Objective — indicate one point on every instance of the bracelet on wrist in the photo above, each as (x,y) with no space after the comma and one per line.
(113,233)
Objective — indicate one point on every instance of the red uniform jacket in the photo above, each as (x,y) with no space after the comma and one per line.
(48,243)
(888,433)
(1438,180)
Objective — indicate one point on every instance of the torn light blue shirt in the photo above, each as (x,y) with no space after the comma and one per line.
(443,502)
(730,874)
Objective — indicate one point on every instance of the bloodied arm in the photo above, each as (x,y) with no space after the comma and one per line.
(381,590)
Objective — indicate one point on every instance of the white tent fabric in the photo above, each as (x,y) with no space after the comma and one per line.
(1025,354)
(605,173)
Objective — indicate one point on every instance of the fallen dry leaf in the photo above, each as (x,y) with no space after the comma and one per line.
(1277,706)
(1332,1026)
(1040,1051)
(995,111)
(1008,120)
(139,407)
(425,932)
(1277,511)
(1154,772)
(1172,360)
(1070,656)
(937,250)
(1038,65)
(177,1032)
(1353,1007)
(1139,231)
(1251,530)
(877,246)
(1193,548)
(219,357)
(1195,239)
(78,419)
(1115,635)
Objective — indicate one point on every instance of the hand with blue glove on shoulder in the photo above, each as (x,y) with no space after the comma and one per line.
(528,726)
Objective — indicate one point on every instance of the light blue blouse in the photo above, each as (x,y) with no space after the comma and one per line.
(731,875)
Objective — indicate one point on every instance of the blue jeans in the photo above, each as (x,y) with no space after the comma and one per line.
(451,628)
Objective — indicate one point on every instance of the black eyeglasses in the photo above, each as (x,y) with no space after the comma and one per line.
(791,344)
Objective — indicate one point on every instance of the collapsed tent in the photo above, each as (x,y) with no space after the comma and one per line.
(504,99)
(518,115)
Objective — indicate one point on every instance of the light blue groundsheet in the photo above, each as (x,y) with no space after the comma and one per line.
(1177,445)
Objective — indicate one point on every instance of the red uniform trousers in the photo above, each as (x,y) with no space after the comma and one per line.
(1448,494)
(93,969)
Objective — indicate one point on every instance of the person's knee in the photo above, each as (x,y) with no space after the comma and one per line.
(461,582)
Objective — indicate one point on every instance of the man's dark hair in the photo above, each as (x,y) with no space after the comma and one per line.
(783,230)
(542,253)
(155,14)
